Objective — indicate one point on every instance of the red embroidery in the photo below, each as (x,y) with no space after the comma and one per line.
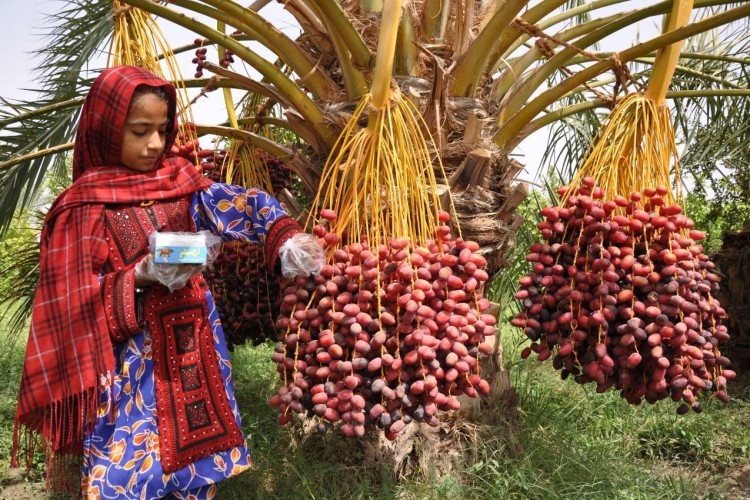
(282,229)
(197,416)
(190,378)
(118,293)
(127,228)
(195,419)
(185,338)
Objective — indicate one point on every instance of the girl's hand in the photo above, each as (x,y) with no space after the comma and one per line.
(173,276)
(144,272)
(301,256)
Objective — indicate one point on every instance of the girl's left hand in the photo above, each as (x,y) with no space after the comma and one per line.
(301,256)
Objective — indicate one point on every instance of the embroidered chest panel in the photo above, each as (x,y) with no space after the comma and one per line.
(127,228)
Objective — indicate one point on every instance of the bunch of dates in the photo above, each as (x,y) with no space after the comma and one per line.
(622,295)
(385,335)
(245,292)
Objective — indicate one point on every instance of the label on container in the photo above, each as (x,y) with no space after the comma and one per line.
(180,248)
(179,255)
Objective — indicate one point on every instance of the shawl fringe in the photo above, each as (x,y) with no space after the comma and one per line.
(65,423)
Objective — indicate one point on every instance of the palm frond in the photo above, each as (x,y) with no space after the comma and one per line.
(20,271)
(567,143)
(75,37)
(569,137)
(21,182)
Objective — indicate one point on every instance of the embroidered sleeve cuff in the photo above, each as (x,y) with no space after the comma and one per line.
(120,304)
(279,233)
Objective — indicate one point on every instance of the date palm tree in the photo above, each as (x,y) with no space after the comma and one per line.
(471,66)
(484,76)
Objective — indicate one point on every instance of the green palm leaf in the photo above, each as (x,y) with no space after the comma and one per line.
(76,36)
(336,45)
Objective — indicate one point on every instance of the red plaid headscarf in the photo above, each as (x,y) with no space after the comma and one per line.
(69,346)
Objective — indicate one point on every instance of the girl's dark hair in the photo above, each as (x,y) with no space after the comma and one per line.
(159,92)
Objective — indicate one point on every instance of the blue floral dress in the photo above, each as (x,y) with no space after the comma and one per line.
(122,457)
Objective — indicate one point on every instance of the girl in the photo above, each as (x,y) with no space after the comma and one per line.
(119,371)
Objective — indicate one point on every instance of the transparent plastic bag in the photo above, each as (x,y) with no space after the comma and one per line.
(301,256)
(162,265)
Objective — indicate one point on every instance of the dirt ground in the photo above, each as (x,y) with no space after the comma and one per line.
(17,486)
(738,484)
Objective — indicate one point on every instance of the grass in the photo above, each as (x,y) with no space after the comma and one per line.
(579,444)
(574,443)
(11,362)
(568,442)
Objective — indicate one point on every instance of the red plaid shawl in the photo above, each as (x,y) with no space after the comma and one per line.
(69,346)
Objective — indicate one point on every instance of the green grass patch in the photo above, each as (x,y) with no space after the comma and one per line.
(315,469)
(566,442)
(12,350)
(581,444)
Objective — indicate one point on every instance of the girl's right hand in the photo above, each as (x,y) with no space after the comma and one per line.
(173,276)
(142,276)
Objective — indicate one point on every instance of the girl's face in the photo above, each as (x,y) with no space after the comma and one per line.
(145,132)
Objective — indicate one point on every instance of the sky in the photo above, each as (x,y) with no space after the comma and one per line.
(22,33)
(26,34)
(19,39)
